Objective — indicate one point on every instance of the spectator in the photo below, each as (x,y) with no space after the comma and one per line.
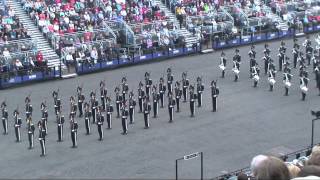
(18,65)
(293,170)
(310,173)
(272,168)
(314,158)
(256,161)
(39,58)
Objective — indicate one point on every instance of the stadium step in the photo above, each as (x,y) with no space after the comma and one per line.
(190,39)
(42,44)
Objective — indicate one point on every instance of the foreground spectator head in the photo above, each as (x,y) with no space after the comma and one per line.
(256,161)
(310,171)
(272,168)
(293,170)
(242,176)
(316,149)
(314,158)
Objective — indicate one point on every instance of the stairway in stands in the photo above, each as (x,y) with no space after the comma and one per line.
(282,24)
(42,44)
(189,38)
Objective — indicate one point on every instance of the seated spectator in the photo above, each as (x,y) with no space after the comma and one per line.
(18,65)
(293,170)
(309,172)
(271,168)
(39,58)
(314,158)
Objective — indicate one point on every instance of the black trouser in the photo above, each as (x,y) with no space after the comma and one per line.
(286,91)
(161,99)
(43,146)
(178,104)
(118,109)
(184,92)
(103,103)
(17,132)
(308,57)
(131,114)
(124,125)
(271,87)
(5,125)
(87,124)
(214,103)
(109,120)
(74,138)
(169,88)
(30,138)
(80,109)
(192,107)
(199,99)
(100,131)
(295,60)
(281,58)
(303,96)
(124,96)
(170,114)
(140,105)
(223,72)
(265,67)
(60,132)
(147,91)
(155,109)
(146,120)
(93,110)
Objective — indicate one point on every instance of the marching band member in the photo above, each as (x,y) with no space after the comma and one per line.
(252,53)
(200,89)
(60,122)
(74,132)
(146,112)
(309,49)
(29,108)
(282,53)
(317,74)
(17,124)
(124,116)
(44,116)
(94,106)
(81,99)
(193,97)
(100,120)
(5,116)
(103,94)
(214,94)
(178,94)
(169,80)
(266,50)
(171,104)
(109,112)
(295,52)
(42,138)
(56,101)
(73,107)
(155,99)
(304,86)
(87,116)
(252,57)
(255,75)
(236,70)
(162,91)
(266,59)
(223,64)
(30,129)
(132,105)
(272,75)
(185,85)
(119,100)
(287,76)
(148,82)
(125,88)
(141,94)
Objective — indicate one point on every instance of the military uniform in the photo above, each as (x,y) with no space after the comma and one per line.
(5,116)
(282,53)
(124,116)
(148,82)
(171,104)
(200,89)
(214,93)
(60,122)
(30,129)
(222,65)
(185,85)
(100,121)
(42,139)
(193,97)
(155,100)
(74,132)
(146,112)
(132,105)
(81,99)
(17,125)
(119,100)
(94,106)
(109,112)
(141,95)
(169,80)
(29,108)
(56,101)
(87,118)
(162,91)
(103,94)
(125,88)
(178,94)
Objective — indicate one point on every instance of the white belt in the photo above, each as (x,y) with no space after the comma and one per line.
(131,106)
(170,106)
(124,116)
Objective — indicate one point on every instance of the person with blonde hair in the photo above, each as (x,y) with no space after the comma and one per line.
(293,170)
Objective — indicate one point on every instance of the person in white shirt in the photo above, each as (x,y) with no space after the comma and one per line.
(18,64)
(94,55)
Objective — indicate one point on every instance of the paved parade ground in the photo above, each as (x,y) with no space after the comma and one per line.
(249,121)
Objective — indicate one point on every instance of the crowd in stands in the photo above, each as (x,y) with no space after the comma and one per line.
(264,167)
